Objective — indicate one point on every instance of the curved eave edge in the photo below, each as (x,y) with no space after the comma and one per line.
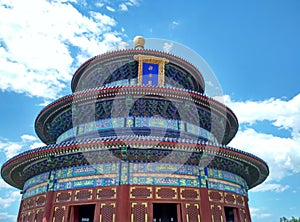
(85,145)
(64,103)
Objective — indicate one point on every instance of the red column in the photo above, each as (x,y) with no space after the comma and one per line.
(97,212)
(248,216)
(47,217)
(123,204)
(205,205)
(179,213)
(70,214)
(20,210)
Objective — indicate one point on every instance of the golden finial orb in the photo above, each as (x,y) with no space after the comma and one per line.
(139,42)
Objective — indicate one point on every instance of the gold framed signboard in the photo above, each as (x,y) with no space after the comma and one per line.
(151,70)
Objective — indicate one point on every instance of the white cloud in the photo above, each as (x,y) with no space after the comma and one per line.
(103,21)
(123,7)
(27,137)
(11,149)
(110,9)
(36,145)
(174,24)
(256,213)
(35,48)
(99,4)
(282,154)
(264,215)
(282,113)
(3,184)
(9,198)
(278,188)
(167,47)
(209,83)
(5,217)
(133,2)
(45,103)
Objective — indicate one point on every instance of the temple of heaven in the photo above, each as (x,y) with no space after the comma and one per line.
(137,140)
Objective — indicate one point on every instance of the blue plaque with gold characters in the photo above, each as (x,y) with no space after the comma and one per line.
(151,70)
(150,74)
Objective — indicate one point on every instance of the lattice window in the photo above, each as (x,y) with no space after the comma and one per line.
(24,205)
(166,193)
(191,194)
(140,192)
(83,194)
(39,215)
(240,200)
(216,211)
(230,198)
(30,203)
(59,214)
(216,196)
(139,212)
(25,217)
(40,201)
(243,216)
(63,196)
(108,193)
(193,214)
(107,213)
(30,216)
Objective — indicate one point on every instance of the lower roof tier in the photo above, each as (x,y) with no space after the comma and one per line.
(138,149)
(143,101)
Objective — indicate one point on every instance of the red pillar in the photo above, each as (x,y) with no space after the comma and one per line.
(48,206)
(205,205)
(179,213)
(97,212)
(20,210)
(248,216)
(123,204)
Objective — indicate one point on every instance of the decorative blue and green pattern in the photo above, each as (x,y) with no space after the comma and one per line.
(226,176)
(35,191)
(71,172)
(87,176)
(41,178)
(163,174)
(139,122)
(113,174)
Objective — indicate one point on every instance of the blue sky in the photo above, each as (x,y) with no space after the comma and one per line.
(253,48)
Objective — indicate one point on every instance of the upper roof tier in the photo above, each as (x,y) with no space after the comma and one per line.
(159,84)
(122,67)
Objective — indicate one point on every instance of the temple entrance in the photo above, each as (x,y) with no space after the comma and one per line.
(165,212)
(229,214)
(84,213)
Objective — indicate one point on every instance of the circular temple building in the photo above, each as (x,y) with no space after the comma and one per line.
(137,140)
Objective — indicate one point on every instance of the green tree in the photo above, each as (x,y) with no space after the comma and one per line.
(293,219)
